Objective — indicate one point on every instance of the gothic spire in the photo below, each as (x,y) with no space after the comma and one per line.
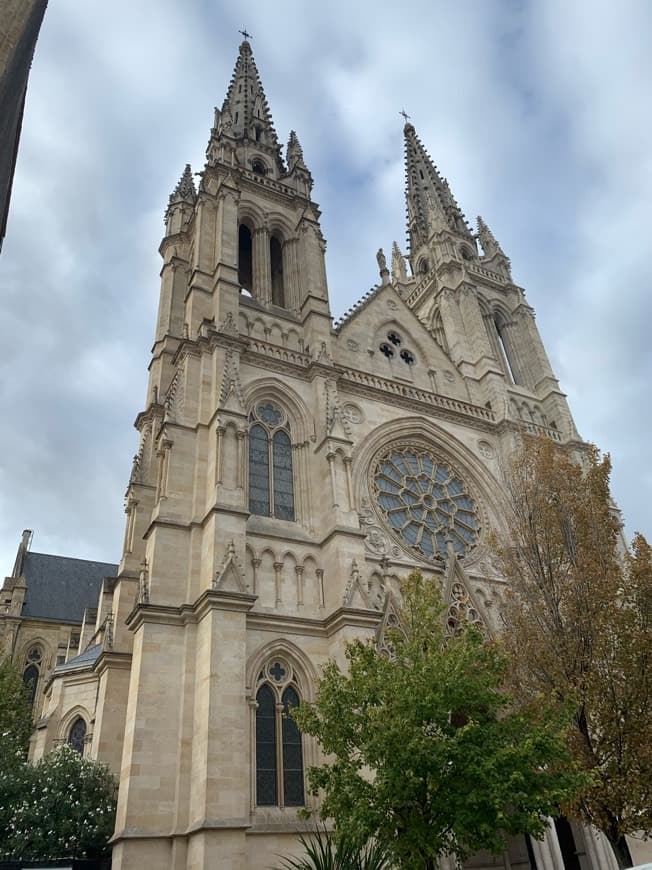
(431,206)
(399,268)
(184,192)
(245,112)
(185,189)
(295,152)
(491,247)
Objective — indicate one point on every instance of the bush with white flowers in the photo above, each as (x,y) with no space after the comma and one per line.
(62,807)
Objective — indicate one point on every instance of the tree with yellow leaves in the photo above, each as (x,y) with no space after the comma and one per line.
(578,621)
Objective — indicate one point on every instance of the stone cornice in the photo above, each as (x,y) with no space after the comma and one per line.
(343,617)
(209,600)
(111,660)
(405,396)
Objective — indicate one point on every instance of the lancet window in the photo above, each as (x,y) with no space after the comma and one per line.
(32,671)
(502,345)
(245,258)
(276,262)
(279,750)
(77,735)
(271,483)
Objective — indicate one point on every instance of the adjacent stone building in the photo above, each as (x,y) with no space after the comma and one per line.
(289,472)
(48,611)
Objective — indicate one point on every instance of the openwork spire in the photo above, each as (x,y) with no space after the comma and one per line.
(245,112)
(431,206)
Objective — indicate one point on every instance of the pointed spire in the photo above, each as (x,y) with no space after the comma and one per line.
(430,204)
(245,112)
(490,245)
(399,267)
(185,190)
(295,152)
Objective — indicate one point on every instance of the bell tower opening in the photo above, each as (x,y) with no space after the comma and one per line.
(245,258)
(276,261)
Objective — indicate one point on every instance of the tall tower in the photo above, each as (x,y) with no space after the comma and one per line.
(289,472)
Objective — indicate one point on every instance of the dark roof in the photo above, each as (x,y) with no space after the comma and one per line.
(60,588)
(85,659)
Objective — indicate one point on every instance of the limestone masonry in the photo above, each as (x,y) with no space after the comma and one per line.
(289,471)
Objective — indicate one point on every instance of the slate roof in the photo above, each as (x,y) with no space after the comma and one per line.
(85,659)
(59,588)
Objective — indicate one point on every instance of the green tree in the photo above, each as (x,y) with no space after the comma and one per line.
(65,808)
(15,729)
(429,756)
(15,714)
(578,626)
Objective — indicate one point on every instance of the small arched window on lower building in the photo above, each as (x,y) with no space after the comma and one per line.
(279,750)
(77,735)
(32,671)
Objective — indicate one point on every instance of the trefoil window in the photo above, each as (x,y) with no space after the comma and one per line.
(279,751)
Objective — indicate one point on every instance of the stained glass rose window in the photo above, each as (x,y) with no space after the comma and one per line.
(425,503)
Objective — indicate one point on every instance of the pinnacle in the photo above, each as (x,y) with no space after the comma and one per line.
(185,190)
(295,152)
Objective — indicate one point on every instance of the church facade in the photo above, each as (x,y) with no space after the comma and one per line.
(289,472)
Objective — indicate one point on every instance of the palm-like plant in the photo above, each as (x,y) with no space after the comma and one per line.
(323,853)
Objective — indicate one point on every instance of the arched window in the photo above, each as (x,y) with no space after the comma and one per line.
(77,735)
(276,262)
(245,258)
(32,671)
(504,350)
(271,484)
(279,751)
(500,344)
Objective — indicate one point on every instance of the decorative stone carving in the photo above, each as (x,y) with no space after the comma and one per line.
(461,610)
(352,413)
(486,449)
(228,325)
(352,344)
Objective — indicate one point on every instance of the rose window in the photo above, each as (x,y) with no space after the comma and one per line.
(425,502)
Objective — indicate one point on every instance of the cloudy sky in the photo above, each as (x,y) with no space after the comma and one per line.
(538,114)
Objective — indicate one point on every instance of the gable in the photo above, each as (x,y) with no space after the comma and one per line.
(384,337)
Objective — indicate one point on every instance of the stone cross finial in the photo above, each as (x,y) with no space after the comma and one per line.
(406,117)
(245,34)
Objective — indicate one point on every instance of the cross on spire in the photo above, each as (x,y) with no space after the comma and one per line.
(245,34)
(405,115)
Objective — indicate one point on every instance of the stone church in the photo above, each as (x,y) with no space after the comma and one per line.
(289,471)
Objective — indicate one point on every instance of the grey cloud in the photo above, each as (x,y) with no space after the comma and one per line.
(532,111)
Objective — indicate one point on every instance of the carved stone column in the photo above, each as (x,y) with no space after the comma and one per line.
(262,269)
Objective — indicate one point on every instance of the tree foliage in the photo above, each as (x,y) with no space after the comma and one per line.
(428,754)
(15,714)
(62,807)
(577,624)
